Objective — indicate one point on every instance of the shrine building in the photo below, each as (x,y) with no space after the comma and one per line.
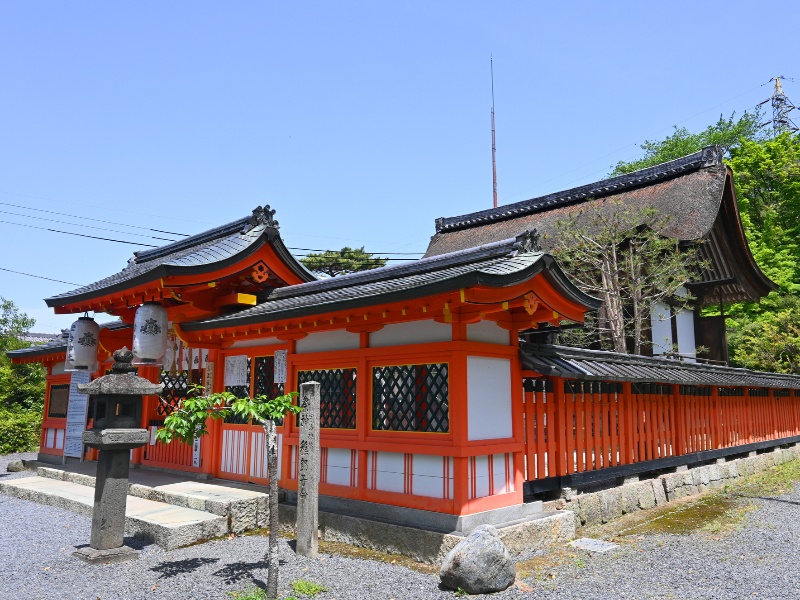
(439,391)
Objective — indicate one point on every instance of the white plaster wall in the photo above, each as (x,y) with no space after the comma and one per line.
(325,341)
(249,343)
(415,332)
(500,476)
(684,322)
(390,471)
(58,369)
(481,476)
(339,466)
(428,475)
(661,328)
(488,398)
(488,332)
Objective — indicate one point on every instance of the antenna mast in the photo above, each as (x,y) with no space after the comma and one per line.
(494,148)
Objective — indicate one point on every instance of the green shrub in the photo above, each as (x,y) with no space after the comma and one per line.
(19,430)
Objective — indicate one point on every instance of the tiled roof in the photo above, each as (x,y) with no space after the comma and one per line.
(199,253)
(595,365)
(59,342)
(497,264)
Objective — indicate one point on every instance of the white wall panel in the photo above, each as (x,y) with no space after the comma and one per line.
(488,398)
(339,466)
(428,478)
(389,471)
(488,332)
(684,323)
(249,343)
(415,332)
(325,341)
(661,328)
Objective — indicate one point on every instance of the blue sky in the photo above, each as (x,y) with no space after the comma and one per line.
(359,122)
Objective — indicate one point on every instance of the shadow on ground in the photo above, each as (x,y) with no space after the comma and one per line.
(179,567)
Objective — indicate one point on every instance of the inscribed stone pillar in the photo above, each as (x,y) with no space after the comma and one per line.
(308,472)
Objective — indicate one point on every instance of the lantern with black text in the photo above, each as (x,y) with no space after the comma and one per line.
(82,342)
(150,334)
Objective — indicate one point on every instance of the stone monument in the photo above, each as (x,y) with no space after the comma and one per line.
(117,430)
(308,471)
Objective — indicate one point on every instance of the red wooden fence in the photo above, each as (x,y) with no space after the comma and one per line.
(579,426)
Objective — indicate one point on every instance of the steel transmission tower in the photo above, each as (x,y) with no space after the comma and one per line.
(781,107)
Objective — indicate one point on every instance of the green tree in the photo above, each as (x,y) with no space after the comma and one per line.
(765,335)
(727,133)
(189,422)
(21,386)
(340,262)
(615,252)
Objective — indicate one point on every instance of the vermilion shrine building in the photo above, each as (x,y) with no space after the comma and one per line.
(429,398)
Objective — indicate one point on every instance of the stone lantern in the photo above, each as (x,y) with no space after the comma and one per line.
(117,430)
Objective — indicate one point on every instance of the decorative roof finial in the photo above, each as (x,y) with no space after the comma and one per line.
(262,215)
(528,241)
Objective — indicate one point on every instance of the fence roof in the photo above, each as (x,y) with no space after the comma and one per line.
(596,365)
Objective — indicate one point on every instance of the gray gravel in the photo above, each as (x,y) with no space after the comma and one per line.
(758,561)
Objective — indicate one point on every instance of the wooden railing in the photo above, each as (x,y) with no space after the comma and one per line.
(576,426)
(175,455)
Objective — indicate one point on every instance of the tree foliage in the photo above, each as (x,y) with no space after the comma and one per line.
(21,386)
(615,252)
(188,422)
(725,132)
(341,262)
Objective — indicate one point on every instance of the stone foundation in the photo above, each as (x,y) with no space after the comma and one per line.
(606,505)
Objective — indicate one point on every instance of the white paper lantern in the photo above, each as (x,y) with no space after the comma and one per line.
(150,334)
(84,336)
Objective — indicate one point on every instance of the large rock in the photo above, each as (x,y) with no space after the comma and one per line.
(15,466)
(479,564)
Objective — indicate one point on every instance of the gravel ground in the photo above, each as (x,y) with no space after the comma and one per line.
(757,561)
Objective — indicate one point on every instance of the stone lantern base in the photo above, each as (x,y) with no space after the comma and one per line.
(113,555)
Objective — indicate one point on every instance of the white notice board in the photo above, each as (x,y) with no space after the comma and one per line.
(236,371)
(76,414)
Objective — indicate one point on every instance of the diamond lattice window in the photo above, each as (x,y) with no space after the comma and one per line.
(176,388)
(337,391)
(410,398)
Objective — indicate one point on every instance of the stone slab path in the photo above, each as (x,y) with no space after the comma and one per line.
(168,525)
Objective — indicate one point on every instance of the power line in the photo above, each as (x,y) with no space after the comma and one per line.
(94,237)
(104,208)
(6,212)
(52,212)
(40,277)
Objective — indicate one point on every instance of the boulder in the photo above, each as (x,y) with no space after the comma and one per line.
(479,564)
(15,466)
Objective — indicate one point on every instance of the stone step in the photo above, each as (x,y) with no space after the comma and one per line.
(244,509)
(167,525)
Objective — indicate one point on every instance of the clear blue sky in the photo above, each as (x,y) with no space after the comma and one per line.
(360,122)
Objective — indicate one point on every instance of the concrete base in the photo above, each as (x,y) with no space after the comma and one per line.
(424,519)
(102,557)
(524,539)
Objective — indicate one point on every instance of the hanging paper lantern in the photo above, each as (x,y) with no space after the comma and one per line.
(82,342)
(150,333)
